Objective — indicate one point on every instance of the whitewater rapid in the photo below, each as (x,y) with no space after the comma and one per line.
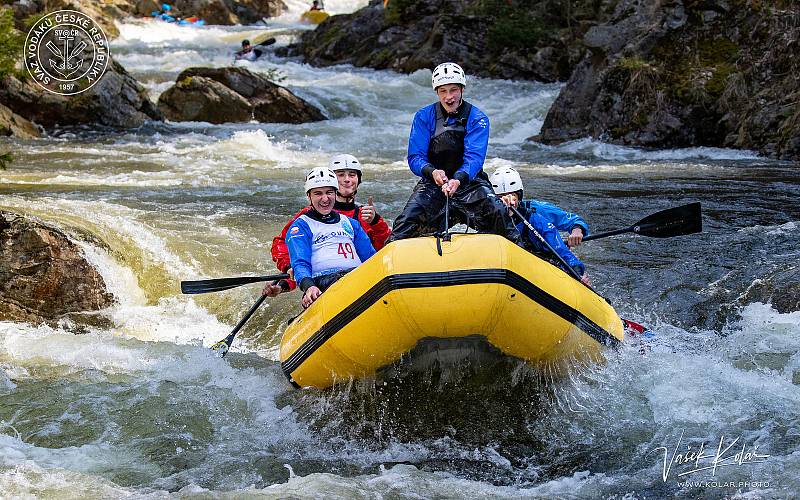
(141,408)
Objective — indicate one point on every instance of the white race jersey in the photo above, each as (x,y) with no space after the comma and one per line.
(332,246)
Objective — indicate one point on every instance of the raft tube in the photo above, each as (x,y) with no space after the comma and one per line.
(314,16)
(408,293)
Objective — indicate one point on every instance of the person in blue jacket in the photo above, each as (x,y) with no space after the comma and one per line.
(507,184)
(446,149)
(165,14)
(324,245)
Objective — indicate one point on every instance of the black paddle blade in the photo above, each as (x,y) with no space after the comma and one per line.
(671,222)
(265,43)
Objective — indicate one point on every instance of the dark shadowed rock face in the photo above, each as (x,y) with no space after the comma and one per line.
(43,275)
(526,39)
(229,11)
(117,100)
(222,95)
(687,73)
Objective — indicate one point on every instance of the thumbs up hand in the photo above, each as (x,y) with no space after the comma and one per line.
(368,211)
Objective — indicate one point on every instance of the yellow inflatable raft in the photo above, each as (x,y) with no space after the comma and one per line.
(480,285)
(314,16)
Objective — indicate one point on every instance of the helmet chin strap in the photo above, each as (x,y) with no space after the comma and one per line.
(348,199)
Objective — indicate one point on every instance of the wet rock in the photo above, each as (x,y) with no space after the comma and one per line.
(13,124)
(117,100)
(203,100)
(522,39)
(44,275)
(681,74)
(229,12)
(235,94)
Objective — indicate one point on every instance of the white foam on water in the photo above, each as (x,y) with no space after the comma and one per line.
(114,218)
(28,480)
(614,152)
(151,33)
(787,228)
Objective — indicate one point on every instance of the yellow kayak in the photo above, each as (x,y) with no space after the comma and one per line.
(314,16)
(481,286)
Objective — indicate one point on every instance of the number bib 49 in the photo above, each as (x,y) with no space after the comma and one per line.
(332,246)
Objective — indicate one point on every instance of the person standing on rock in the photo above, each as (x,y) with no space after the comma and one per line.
(446,149)
(348,172)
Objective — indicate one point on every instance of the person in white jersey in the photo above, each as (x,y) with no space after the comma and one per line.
(324,245)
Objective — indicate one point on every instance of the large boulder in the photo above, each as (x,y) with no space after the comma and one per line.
(117,100)
(235,94)
(685,73)
(13,124)
(44,275)
(201,99)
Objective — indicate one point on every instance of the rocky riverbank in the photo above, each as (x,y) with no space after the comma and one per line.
(118,100)
(225,12)
(670,74)
(530,40)
(43,274)
(687,73)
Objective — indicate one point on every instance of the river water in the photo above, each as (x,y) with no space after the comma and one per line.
(137,406)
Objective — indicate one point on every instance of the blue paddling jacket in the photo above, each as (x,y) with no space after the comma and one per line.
(468,121)
(302,241)
(549,232)
(561,219)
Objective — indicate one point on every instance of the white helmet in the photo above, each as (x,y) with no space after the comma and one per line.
(321,177)
(345,162)
(505,180)
(448,73)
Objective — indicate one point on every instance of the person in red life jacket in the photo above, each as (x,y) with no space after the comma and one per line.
(315,6)
(349,173)
(324,245)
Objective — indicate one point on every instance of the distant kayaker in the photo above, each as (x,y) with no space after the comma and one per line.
(248,52)
(166,13)
(315,6)
(324,245)
(507,184)
(446,149)
(348,171)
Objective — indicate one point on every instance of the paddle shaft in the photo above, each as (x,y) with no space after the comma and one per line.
(219,284)
(228,341)
(446,218)
(597,236)
(546,244)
